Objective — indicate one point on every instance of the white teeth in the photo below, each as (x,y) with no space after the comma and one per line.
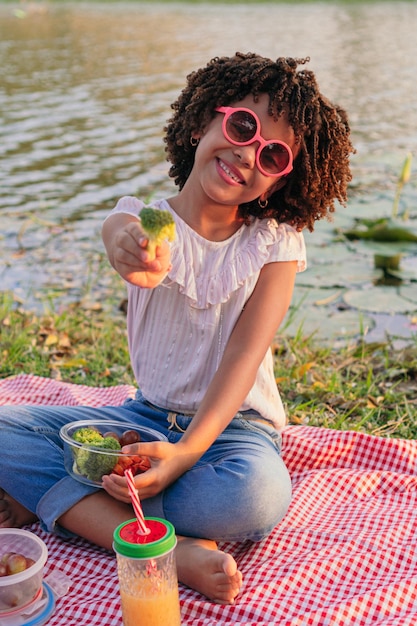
(229,173)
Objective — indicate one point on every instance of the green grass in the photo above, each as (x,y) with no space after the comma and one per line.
(368,388)
(365,387)
(82,343)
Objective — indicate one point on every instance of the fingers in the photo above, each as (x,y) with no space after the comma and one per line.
(116,486)
(130,246)
(165,468)
(131,257)
(151,449)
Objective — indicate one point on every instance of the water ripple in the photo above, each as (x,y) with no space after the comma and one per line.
(85,91)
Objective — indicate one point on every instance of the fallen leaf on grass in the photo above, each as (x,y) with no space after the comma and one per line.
(280,379)
(299,372)
(74,363)
(373,402)
(51,340)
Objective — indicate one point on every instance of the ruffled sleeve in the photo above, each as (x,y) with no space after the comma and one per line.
(128,204)
(289,245)
(208,273)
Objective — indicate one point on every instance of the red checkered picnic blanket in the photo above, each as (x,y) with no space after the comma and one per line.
(345,554)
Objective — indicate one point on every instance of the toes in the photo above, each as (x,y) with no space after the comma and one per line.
(226,594)
(229,565)
(226,587)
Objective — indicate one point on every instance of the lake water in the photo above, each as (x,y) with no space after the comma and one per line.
(85,90)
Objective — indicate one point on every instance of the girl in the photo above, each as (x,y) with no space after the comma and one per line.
(258,154)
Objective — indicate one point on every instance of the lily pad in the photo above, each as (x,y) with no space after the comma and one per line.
(383,229)
(408,270)
(324,230)
(404,274)
(378,300)
(372,206)
(330,328)
(351,272)
(391,248)
(334,253)
(304,296)
(322,275)
(394,326)
(410,293)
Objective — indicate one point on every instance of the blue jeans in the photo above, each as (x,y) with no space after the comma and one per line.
(239,489)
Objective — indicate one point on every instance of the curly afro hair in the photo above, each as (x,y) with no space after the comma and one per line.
(321,169)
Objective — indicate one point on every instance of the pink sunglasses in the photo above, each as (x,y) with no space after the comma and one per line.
(242,127)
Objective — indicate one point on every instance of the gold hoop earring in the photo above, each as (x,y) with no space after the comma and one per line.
(263,203)
(194,141)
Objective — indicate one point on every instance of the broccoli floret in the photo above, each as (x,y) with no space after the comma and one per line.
(158,225)
(87,435)
(89,463)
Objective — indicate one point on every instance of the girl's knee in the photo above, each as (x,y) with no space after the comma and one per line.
(253,519)
(258,502)
(269,495)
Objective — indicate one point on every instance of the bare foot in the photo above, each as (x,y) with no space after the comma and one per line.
(12,513)
(201,566)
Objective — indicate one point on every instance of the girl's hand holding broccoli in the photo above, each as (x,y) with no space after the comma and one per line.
(129,254)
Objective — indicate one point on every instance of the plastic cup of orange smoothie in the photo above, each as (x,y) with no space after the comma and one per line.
(147,573)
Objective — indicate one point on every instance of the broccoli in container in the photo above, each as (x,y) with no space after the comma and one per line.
(89,463)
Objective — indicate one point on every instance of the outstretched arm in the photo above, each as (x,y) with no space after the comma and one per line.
(125,243)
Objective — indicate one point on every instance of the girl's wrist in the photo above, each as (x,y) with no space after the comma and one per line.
(188,452)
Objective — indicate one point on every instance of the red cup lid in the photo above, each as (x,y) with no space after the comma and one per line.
(128,541)
(130,532)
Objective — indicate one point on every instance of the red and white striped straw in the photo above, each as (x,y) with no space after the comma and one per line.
(134,496)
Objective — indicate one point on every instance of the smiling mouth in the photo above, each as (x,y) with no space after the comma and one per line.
(231,174)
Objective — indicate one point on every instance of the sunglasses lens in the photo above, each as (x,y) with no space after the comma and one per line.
(274,158)
(241,126)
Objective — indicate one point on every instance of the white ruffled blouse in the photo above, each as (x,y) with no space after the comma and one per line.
(178,331)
